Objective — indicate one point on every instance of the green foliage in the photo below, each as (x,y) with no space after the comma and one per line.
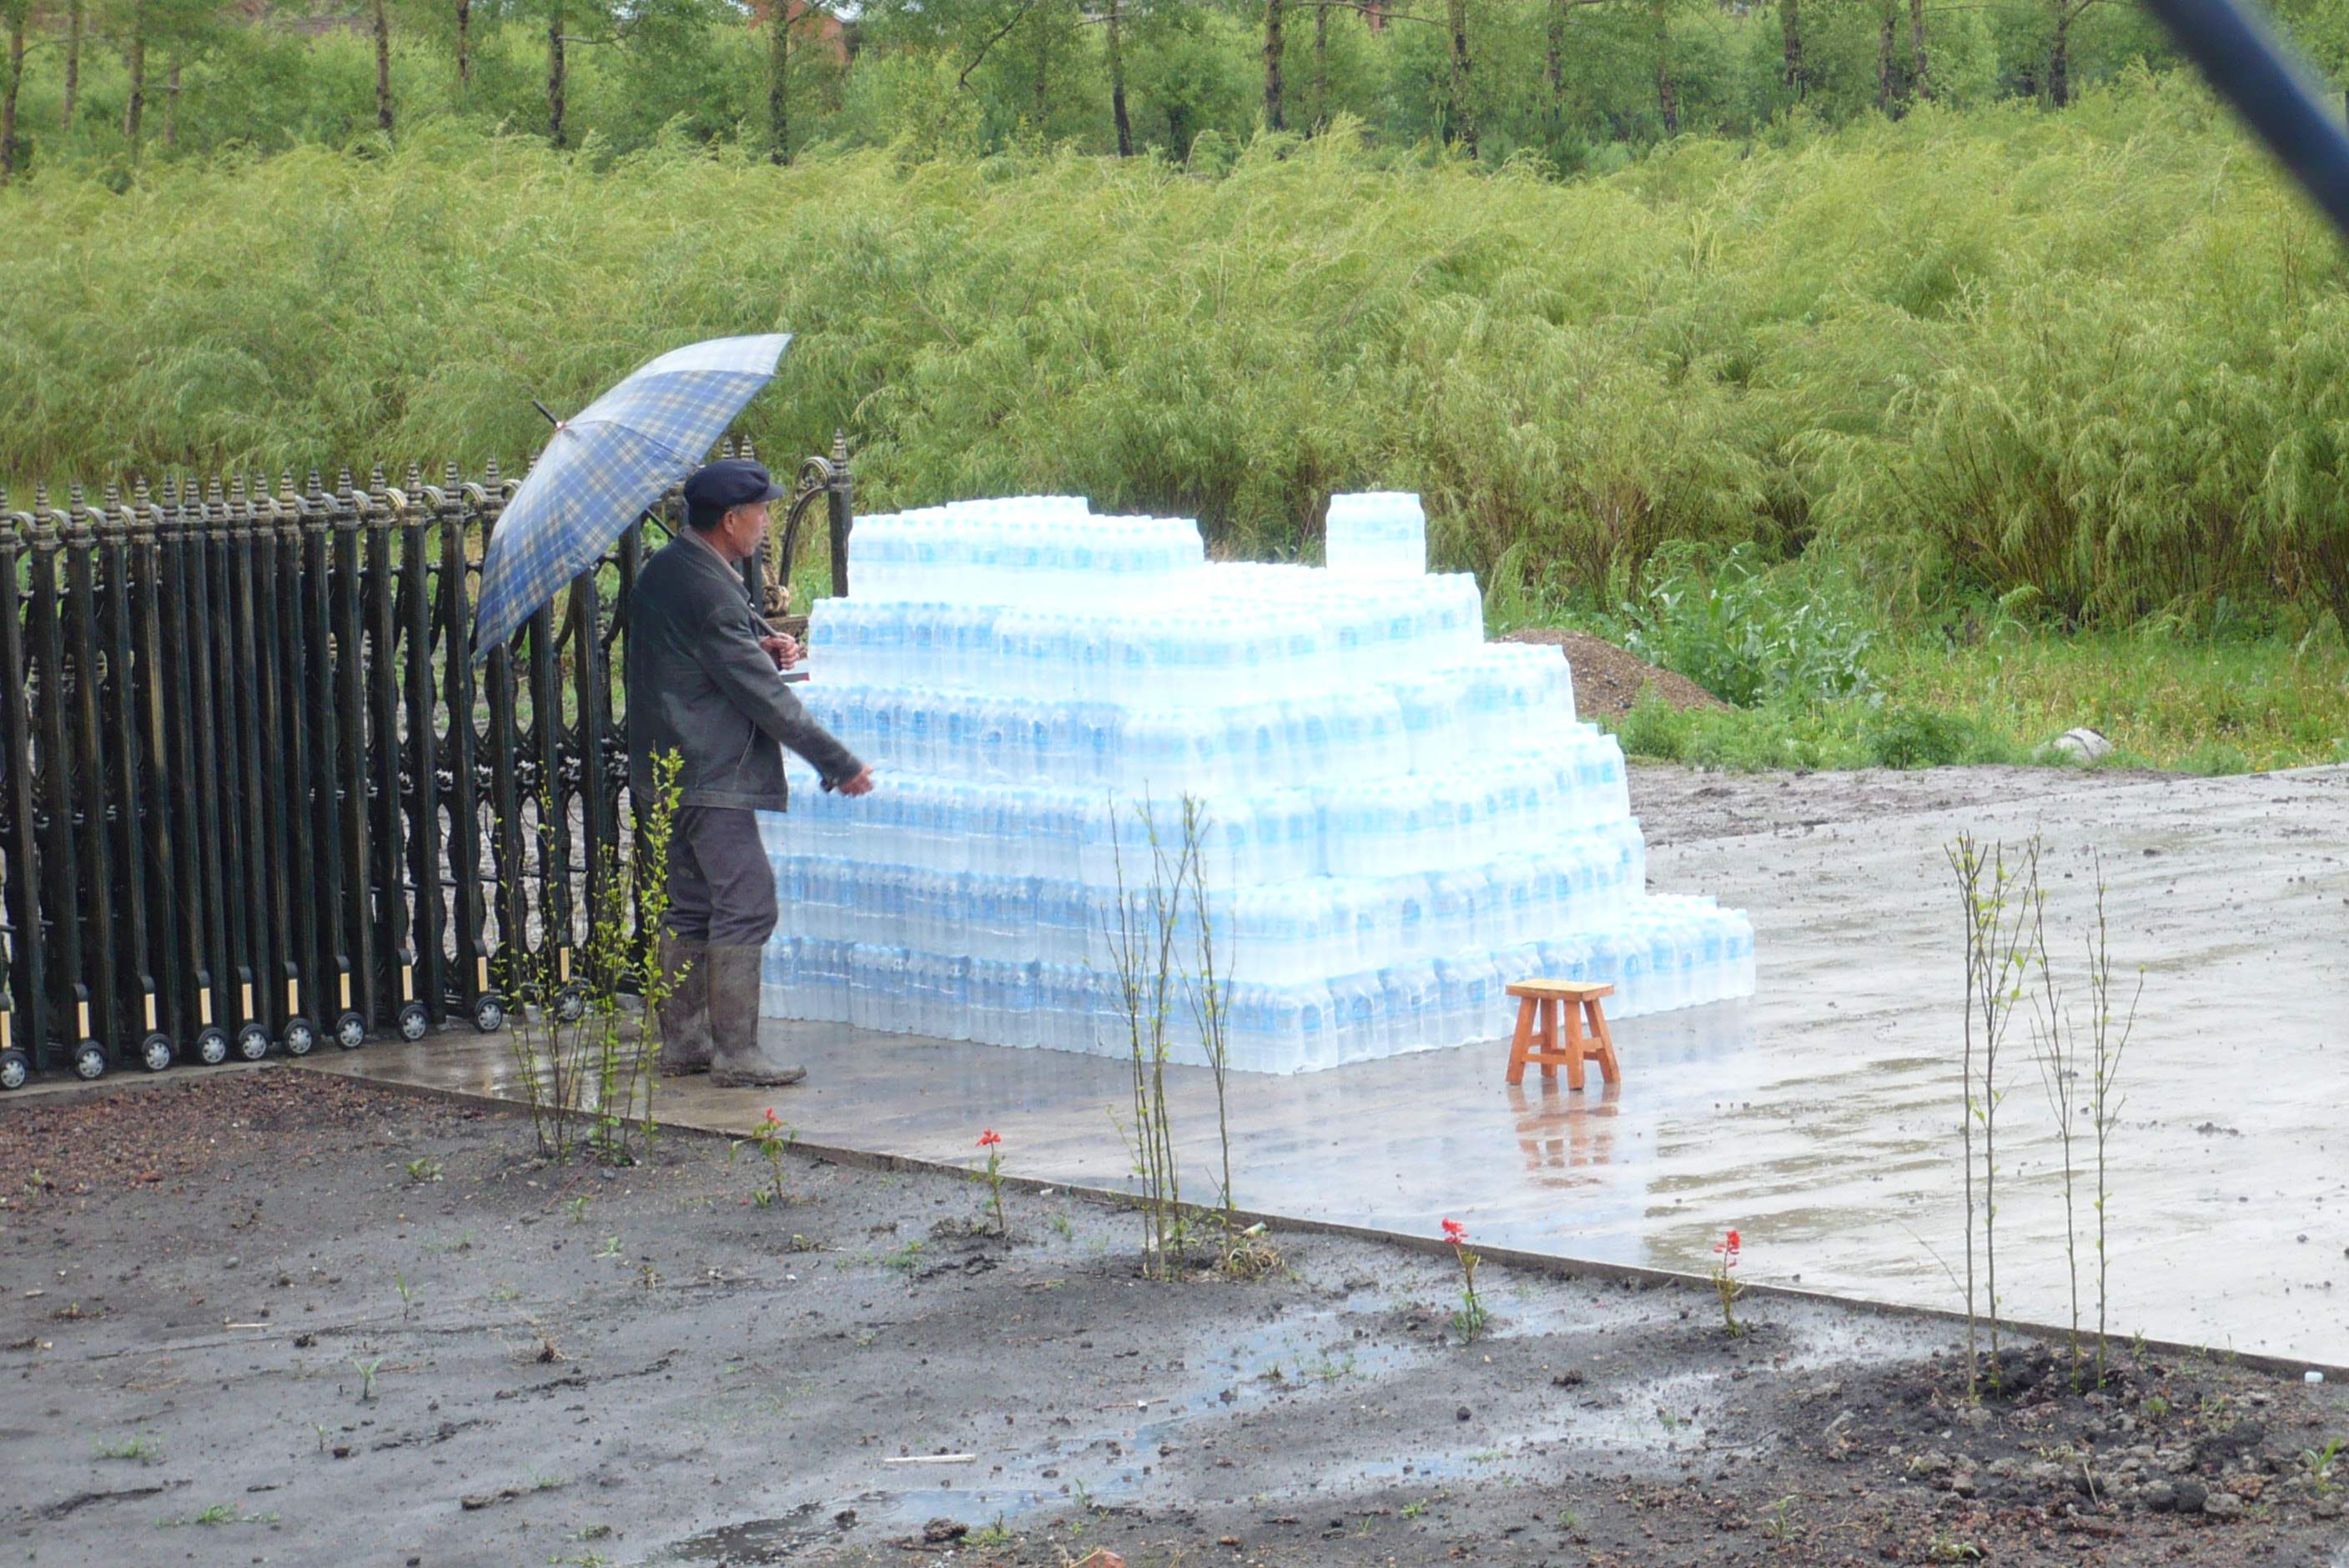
(1747,636)
(1906,736)
(2086,368)
(2203,707)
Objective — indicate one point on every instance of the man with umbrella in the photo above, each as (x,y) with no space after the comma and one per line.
(704,681)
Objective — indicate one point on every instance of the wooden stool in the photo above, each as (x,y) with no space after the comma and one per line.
(1537,1038)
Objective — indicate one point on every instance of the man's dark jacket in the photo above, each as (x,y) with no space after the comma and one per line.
(699,684)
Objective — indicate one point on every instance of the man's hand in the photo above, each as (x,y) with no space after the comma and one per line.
(860,784)
(782,648)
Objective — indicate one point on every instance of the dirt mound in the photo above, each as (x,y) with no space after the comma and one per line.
(1607,679)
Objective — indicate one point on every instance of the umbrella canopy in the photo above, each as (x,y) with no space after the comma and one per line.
(605,465)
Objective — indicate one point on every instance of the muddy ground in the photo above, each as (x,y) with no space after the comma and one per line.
(1675,804)
(272,1316)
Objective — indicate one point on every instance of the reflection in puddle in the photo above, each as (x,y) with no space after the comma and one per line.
(1565,1130)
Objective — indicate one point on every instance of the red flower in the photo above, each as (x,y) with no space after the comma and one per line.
(1455,1232)
(1728,1250)
(771,1117)
(989,1140)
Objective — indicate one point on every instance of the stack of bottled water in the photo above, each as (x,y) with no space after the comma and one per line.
(1381,534)
(1400,818)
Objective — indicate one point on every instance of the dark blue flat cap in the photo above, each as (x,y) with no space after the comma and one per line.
(729,482)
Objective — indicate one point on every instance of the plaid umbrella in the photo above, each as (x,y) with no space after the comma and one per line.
(607,463)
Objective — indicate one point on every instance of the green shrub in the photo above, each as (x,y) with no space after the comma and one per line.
(1906,737)
(1748,635)
(1653,729)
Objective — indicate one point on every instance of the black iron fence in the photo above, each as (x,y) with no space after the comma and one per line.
(255,791)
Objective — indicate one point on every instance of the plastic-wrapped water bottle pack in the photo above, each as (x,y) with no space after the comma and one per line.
(1400,818)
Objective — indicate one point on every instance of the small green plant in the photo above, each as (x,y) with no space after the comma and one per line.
(1568,1519)
(1471,1320)
(407,1296)
(610,1249)
(579,1209)
(1142,939)
(367,1371)
(992,1142)
(1725,1285)
(1060,1226)
(584,1061)
(2155,1405)
(125,1448)
(987,1538)
(770,1136)
(2321,1463)
(1414,1509)
(423,1169)
(1947,1548)
(905,1259)
(1778,1525)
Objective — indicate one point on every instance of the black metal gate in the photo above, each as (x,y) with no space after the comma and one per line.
(254,791)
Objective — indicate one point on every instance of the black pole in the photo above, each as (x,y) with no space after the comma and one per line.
(2252,71)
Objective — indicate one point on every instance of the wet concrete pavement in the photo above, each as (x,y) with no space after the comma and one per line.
(1822,1119)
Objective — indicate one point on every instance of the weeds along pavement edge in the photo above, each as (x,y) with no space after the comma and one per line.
(1560,1265)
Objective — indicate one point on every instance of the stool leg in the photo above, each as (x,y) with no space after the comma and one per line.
(1573,1046)
(1606,1042)
(1523,1038)
(1549,1038)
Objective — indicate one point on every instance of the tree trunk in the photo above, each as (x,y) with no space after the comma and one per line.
(1667,91)
(1886,99)
(1275,42)
(1042,85)
(382,68)
(73,64)
(1554,66)
(1919,83)
(1321,65)
(2059,57)
(778,82)
(134,109)
(8,100)
(172,107)
(554,76)
(1790,43)
(465,48)
(1462,128)
(1117,85)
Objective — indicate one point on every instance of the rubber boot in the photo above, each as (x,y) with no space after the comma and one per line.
(685,1015)
(737,1059)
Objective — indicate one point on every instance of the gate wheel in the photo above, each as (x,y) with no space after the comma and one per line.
(414,1022)
(155,1052)
(211,1046)
(90,1060)
(350,1030)
(252,1041)
(15,1069)
(571,1003)
(488,1011)
(301,1035)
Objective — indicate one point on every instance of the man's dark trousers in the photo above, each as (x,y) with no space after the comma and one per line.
(721,887)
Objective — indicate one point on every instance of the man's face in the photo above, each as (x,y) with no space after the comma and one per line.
(745,528)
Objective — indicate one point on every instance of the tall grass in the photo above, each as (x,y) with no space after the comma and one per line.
(2089,363)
